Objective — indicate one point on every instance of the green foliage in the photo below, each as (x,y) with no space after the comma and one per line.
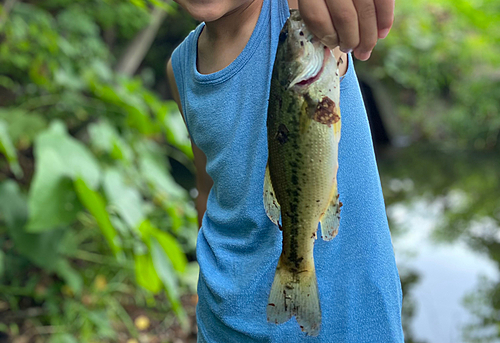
(441,63)
(85,182)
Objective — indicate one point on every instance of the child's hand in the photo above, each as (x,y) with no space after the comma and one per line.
(354,25)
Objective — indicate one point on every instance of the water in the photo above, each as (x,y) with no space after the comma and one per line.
(444,214)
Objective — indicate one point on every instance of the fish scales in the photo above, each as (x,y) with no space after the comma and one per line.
(300,187)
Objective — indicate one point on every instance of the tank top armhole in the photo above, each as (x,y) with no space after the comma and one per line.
(179,58)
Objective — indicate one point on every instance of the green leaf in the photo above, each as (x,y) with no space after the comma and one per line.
(104,137)
(96,205)
(2,263)
(41,249)
(167,275)
(127,199)
(59,160)
(23,126)
(52,199)
(167,242)
(63,338)
(7,148)
(145,273)
(70,276)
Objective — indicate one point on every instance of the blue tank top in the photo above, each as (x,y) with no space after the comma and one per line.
(238,246)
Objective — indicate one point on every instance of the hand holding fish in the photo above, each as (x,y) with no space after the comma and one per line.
(354,25)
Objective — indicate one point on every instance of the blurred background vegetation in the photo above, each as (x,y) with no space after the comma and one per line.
(97,220)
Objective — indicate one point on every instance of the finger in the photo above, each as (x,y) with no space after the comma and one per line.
(368,32)
(385,16)
(345,22)
(317,18)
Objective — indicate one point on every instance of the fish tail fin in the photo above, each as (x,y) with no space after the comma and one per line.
(295,294)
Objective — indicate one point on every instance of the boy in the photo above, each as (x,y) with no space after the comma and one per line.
(221,76)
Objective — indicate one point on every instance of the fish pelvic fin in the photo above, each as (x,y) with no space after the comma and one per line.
(295,294)
(330,220)
(271,205)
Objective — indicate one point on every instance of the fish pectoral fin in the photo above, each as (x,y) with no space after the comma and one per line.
(337,125)
(273,208)
(331,218)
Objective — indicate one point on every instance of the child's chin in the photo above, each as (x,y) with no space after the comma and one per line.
(205,13)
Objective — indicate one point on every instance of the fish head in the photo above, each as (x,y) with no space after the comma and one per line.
(304,55)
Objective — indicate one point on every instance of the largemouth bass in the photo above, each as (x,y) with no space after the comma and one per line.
(300,187)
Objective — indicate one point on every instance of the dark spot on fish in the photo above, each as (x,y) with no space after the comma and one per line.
(299,155)
(329,89)
(301,328)
(283,36)
(273,305)
(326,112)
(301,33)
(341,204)
(317,200)
(271,193)
(300,259)
(313,235)
(282,134)
(295,180)
(301,43)
(280,227)
(320,161)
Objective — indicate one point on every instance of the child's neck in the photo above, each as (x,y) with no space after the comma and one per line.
(222,40)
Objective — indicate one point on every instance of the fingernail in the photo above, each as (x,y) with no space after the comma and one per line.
(346,51)
(365,56)
(383,33)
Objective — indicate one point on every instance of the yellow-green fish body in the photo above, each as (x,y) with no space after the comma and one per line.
(301,178)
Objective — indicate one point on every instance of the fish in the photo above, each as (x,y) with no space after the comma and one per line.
(300,182)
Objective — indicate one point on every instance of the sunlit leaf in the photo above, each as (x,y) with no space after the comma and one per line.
(145,273)
(167,242)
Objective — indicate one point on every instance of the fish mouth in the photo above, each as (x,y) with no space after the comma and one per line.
(313,70)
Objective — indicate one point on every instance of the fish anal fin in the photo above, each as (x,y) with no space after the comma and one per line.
(331,218)
(271,205)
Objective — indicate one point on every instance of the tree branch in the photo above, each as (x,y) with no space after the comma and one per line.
(137,49)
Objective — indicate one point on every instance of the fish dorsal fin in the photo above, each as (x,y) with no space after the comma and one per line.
(331,218)
(271,205)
